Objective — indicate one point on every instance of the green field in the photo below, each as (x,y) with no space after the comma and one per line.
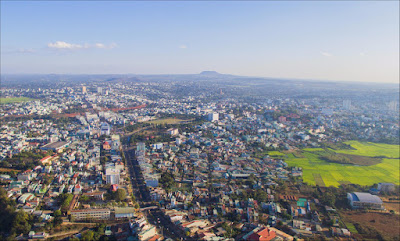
(317,171)
(372,149)
(275,153)
(14,100)
(351,227)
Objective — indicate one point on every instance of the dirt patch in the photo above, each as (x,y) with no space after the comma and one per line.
(349,159)
(392,206)
(388,225)
(3,169)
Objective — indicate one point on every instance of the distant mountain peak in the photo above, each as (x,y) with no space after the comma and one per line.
(208,72)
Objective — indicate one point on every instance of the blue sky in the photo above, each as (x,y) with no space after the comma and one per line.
(346,41)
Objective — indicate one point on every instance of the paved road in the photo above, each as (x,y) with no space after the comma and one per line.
(154,215)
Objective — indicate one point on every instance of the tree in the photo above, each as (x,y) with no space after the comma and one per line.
(88,236)
(57,218)
(21,223)
(120,194)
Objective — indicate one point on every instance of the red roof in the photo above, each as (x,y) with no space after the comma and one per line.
(262,235)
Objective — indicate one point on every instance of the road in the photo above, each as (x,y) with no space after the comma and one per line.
(155,214)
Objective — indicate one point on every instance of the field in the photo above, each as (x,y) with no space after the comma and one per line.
(388,225)
(275,153)
(372,149)
(166,121)
(14,100)
(324,173)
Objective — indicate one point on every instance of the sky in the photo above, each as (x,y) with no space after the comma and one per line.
(318,40)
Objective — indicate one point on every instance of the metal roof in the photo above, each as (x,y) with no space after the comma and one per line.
(366,197)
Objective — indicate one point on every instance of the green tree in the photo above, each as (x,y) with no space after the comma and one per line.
(120,194)
(21,223)
(57,218)
(88,236)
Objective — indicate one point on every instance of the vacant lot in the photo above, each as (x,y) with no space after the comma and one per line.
(14,100)
(388,225)
(166,121)
(335,174)
(2,169)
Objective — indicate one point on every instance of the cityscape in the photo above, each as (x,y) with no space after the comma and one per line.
(201,155)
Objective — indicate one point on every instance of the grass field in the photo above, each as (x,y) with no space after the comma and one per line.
(317,171)
(351,228)
(275,153)
(14,100)
(372,149)
(166,121)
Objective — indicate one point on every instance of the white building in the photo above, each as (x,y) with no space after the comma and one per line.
(386,187)
(213,117)
(364,200)
(97,214)
(105,129)
(112,176)
(347,104)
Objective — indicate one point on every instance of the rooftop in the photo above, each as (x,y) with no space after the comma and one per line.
(366,197)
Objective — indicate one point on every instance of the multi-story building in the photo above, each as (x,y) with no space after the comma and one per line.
(98,214)
(213,117)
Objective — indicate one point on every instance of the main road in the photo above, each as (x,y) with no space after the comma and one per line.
(154,214)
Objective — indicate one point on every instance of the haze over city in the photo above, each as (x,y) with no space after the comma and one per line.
(340,41)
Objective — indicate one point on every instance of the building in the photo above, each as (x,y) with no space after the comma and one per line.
(261,234)
(124,213)
(147,234)
(386,187)
(151,182)
(173,131)
(57,146)
(364,200)
(105,129)
(347,104)
(84,90)
(99,90)
(213,117)
(393,106)
(112,176)
(97,214)
(95,195)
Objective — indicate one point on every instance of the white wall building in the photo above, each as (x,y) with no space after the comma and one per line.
(213,117)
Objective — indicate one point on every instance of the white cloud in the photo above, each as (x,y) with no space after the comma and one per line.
(363,54)
(326,54)
(183,47)
(64,45)
(70,46)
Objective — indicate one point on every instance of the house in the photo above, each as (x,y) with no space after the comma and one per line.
(96,195)
(386,187)
(262,234)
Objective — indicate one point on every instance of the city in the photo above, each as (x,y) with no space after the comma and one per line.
(199,120)
(206,167)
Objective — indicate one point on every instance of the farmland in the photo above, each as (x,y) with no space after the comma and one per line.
(317,171)
(14,100)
